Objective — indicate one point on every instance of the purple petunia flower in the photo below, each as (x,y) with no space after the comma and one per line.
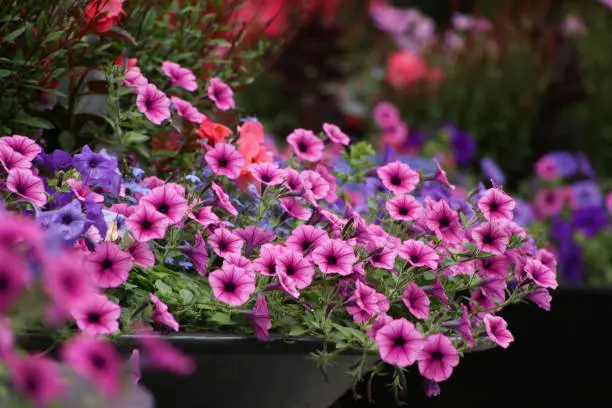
(67,222)
(463,143)
(492,171)
(586,194)
(99,169)
(589,220)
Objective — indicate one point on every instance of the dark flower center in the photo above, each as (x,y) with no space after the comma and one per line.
(4,283)
(93,163)
(93,317)
(32,383)
(376,258)
(107,264)
(98,361)
(332,260)
(488,239)
(493,206)
(163,208)
(437,355)
(403,211)
(396,180)
(302,147)
(265,178)
(222,162)
(399,341)
(67,219)
(272,268)
(414,258)
(68,283)
(148,104)
(486,263)
(550,198)
(222,245)
(306,245)
(290,270)
(444,222)
(146,225)
(21,190)
(229,287)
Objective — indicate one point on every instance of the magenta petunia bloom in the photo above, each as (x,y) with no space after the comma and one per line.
(7,339)
(238,261)
(22,145)
(419,254)
(463,326)
(97,316)
(13,277)
(547,258)
(96,360)
(497,330)
(438,358)
(416,300)
(398,177)
(109,265)
(336,135)
(224,242)
(287,284)
(540,274)
(198,254)
(267,173)
(223,200)
(260,318)
(494,288)
(160,355)
(142,255)
(549,201)
(443,221)
(306,145)
(306,237)
(233,286)
(441,177)
(37,378)
(225,160)
(437,290)
(541,297)
(221,94)
(203,216)
(27,186)
(293,208)
(179,76)
(314,185)
(82,191)
(386,114)
(334,256)
(293,183)
(482,300)
(167,200)
(10,159)
(432,388)
(296,268)
(153,103)
(266,262)
(495,267)
(491,237)
(399,343)
(146,223)
(254,237)
(187,110)
(67,281)
(135,79)
(384,255)
(382,319)
(495,205)
(161,315)
(404,208)
(363,303)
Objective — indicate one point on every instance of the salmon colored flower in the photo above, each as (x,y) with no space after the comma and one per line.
(213,132)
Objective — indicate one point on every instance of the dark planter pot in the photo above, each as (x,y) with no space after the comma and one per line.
(240,371)
(558,358)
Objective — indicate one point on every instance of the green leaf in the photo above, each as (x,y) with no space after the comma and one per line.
(163,288)
(67,141)
(221,318)
(10,37)
(4,73)
(297,331)
(220,42)
(135,138)
(35,122)
(186,295)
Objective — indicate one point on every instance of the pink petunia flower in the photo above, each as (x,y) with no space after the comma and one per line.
(161,315)
(386,114)
(96,360)
(37,378)
(293,208)
(296,268)
(363,303)
(491,237)
(7,338)
(399,343)
(306,237)
(335,134)
(549,202)
(497,330)
(82,191)
(109,265)
(167,200)
(441,177)
(97,316)
(541,297)
(221,94)
(540,274)
(432,388)
(267,173)
(383,256)
(147,224)
(315,187)
(13,277)
(135,79)
(494,267)
(547,258)
(398,177)
(546,168)
(224,242)
(203,216)
(27,186)
(332,194)
(443,221)
(260,318)
(153,103)
(266,262)
(416,300)
(404,208)
(293,183)
(10,159)
(198,254)
(160,355)
(438,358)
(254,237)
(232,285)
(223,200)
(22,145)
(306,145)
(334,256)
(419,254)
(187,110)
(179,76)
(67,281)
(437,290)
(225,160)
(238,261)
(382,319)
(463,326)
(142,255)
(496,205)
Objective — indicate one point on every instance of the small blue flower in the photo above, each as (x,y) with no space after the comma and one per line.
(138,172)
(169,261)
(185,264)
(193,178)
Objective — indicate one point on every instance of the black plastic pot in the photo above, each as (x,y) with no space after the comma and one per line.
(241,372)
